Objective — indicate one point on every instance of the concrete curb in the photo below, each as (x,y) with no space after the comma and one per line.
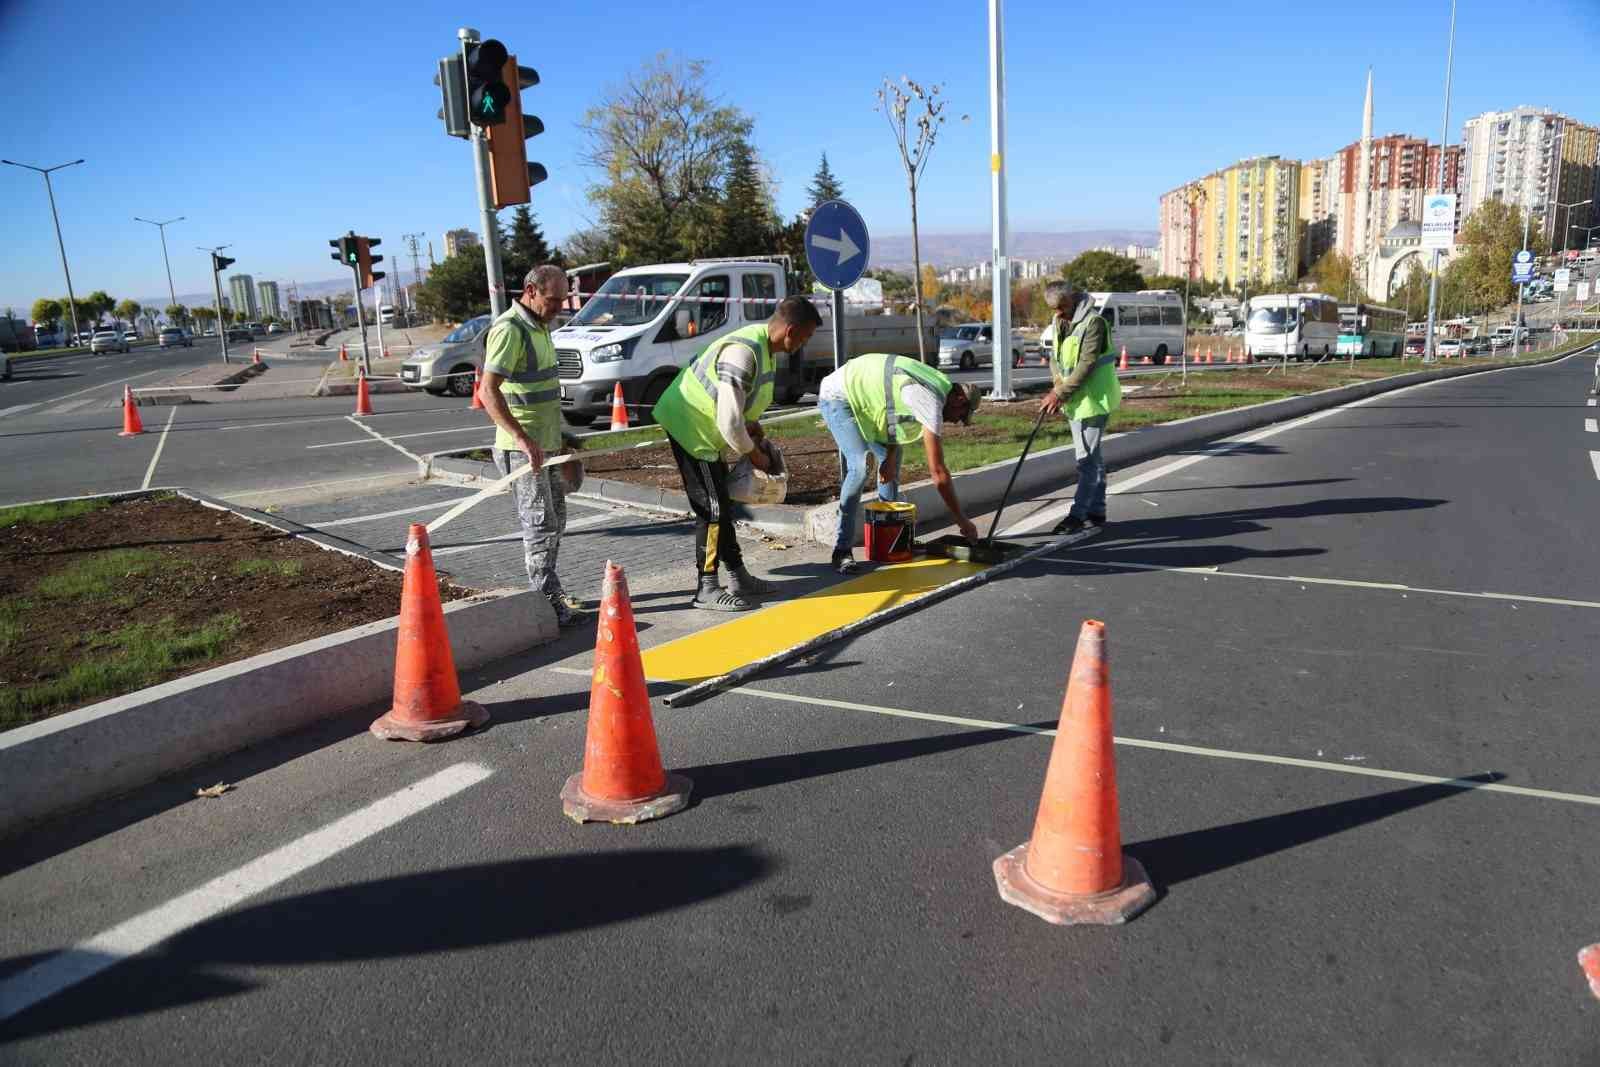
(165,399)
(87,755)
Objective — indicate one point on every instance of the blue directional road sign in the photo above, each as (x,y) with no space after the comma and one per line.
(1522,267)
(836,244)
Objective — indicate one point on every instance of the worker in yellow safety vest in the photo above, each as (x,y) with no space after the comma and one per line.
(1083,371)
(709,412)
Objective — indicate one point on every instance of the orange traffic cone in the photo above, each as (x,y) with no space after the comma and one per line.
(1073,870)
(427,695)
(619,409)
(255,356)
(363,398)
(1122,364)
(344,356)
(477,401)
(1208,356)
(622,780)
(131,424)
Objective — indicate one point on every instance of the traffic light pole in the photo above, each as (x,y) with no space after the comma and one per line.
(222,325)
(480,161)
(366,357)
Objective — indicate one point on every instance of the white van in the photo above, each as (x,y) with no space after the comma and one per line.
(1149,323)
(386,314)
(1301,325)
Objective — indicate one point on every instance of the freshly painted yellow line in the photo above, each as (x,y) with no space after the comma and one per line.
(749,637)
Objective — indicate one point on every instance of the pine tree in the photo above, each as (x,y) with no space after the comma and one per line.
(748,219)
(824,186)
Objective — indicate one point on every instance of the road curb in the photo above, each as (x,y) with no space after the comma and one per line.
(84,756)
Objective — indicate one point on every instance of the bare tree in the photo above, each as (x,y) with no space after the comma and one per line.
(915,115)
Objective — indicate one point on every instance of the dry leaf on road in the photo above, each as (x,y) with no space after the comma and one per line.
(213,791)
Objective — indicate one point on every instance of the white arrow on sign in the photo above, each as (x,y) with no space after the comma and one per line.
(844,248)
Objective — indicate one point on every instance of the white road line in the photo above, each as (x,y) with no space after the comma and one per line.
(398,448)
(1210,572)
(1160,746)
(1048,515)
(1594,458)
(403,436)
(1591,401)
(144,932)
(316,485)
(1591,426)
(104,385)
(355,519)
(18,409)
(326,418)
(150,471)
(516,535)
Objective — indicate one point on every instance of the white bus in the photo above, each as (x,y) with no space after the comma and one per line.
(1149,323)
(1302,325)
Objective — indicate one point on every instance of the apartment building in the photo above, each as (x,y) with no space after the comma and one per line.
(457,240)
(242,287)
(1536,159)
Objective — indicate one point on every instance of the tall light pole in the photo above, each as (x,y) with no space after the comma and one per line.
(72,300)
(1444,139)
(1561,261)
(1001,291)
(172,293)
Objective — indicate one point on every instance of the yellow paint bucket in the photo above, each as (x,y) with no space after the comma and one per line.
(889,530)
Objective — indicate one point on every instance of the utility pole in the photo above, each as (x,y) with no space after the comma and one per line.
(1444,139)
(1001,291)
(72,301)
(172,294)
(411,240)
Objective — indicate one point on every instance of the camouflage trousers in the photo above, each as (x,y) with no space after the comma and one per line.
(541,505)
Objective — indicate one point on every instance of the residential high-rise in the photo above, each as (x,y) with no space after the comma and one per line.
(1246,224)
(271,308)
(243,289)
(457,240)
(1535,159)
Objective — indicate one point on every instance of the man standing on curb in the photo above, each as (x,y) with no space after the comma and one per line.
(1083,368)
(521,394)
(709,412)
(881,403)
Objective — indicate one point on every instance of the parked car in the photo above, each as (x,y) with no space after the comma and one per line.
(130,335)
(109,341)
(173,337)
(431,367)
(1449,348)
(1415,346)
(968,346)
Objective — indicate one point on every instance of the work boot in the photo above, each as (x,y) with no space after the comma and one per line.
(844,563)
(569,612)
(712,597)
(742,583)
(1070,525)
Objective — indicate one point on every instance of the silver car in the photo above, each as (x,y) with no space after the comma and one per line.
(172,337)
(447,367)
(109,341)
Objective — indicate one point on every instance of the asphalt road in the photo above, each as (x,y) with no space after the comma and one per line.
(1353,669)
(75,382)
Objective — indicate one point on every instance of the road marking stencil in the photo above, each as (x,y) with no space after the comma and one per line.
(165,921)
(1590,425)
(1594,459)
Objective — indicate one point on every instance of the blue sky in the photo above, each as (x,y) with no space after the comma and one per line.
(283,125)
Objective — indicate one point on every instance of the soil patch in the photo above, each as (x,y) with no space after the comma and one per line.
(102,598)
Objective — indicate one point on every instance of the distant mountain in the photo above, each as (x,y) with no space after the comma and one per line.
(964,249)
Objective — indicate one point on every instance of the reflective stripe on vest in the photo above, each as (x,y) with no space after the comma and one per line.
(534,404)
(874,395)
(1101,392)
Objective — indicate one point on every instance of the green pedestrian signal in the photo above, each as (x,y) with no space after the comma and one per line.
(487,92)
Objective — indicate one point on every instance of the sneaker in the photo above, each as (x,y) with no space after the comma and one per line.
(1098,521)
(742,583)
(844,563)
(1070,525)
(718,599)
(569,612)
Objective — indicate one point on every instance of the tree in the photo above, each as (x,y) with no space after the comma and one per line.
(1335,275)
(48,312)
(204,316)
(456,290)
(525,247)
(1104,272)
(177,314)
(99,303)
(824,186)
(128,311)
(748,219)
(662,145)
(897,106)
(1481,268)
(896,286)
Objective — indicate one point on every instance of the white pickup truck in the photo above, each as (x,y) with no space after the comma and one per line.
(644,323)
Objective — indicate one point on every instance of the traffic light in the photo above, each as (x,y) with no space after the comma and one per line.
(365,260)
(346,253)
(512,177)
(452,84)
(487,93)
(220,263)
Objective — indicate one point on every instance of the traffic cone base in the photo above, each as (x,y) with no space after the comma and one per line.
(1070,909)
(623,780)
(427,694)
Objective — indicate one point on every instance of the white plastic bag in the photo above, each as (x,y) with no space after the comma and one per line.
(750,486)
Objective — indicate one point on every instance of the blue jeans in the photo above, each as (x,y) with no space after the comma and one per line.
(853,448)
(1090,498)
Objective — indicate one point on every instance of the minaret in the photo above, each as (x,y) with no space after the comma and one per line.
(1362,243)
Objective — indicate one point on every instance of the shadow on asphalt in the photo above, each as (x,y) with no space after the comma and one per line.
(405,916)
(1181,857)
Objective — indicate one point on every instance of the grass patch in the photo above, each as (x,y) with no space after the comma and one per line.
(12,611)
(132,657)
(282,568)
(98,576)
(33,514)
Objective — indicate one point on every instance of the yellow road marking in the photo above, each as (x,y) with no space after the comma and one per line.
(747,638)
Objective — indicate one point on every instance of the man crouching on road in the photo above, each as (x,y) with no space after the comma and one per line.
(709,412)
(521,394)
(1083,368)
(881,403)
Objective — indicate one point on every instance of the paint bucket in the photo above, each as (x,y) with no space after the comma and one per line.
(889,530)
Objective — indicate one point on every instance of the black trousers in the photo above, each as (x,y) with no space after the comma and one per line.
(706,483)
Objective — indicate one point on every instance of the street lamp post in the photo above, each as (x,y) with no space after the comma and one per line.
(172,293)
(1561,261)
(1444,140)
(72,300)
